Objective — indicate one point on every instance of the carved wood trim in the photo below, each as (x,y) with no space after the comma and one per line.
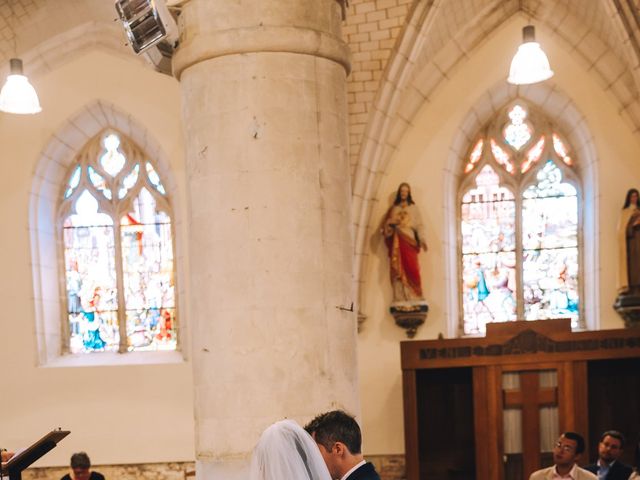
(526,346)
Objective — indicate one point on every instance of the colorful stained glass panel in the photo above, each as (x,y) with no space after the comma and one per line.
(550,243)
(154,178)
(518,132)
(561,150)
(488,290)
(550,222)
(112,160)
(99,182)
(533,155)
(488,216)
(91,278)
(74,180)
(129,181)
(147,262)
(501,156)
(550,281)
(475,155)
(488,248)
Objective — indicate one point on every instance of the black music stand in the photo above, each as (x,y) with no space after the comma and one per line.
(23,459)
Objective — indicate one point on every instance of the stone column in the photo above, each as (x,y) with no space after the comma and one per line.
(270,301)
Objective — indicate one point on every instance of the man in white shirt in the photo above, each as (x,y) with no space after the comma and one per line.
(566,453)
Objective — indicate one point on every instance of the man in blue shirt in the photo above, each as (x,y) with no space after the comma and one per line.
(609,450)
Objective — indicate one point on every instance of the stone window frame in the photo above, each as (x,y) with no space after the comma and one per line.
(518,183)
(49,293)
(554,104)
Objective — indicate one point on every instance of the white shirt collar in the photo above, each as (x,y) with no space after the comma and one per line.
(572,473)
(353,469)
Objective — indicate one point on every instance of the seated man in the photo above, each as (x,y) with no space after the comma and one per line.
(566,453)
(81,468)
(609,450)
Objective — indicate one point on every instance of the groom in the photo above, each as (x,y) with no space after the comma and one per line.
(339,440)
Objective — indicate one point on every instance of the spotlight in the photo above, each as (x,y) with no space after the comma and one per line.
(146,22)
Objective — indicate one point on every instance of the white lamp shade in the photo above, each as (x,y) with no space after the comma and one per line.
(530,64)
(17,94)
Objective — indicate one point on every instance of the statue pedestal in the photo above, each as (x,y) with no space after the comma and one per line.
(628,307)
(409,315)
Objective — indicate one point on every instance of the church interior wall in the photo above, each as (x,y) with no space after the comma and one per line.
(423,159)
(121,414)
(129,413)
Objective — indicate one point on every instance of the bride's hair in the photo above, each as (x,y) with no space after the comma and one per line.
(286,452)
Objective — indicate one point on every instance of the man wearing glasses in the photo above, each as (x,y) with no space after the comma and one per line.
(609,450)
(566,453)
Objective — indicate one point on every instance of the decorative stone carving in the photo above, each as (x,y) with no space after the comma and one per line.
(409,315)
(529,342)
(628,307)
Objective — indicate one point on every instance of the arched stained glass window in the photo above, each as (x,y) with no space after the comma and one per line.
(519,224)
(118,251)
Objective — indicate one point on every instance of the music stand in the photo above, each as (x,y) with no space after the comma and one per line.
(23,459)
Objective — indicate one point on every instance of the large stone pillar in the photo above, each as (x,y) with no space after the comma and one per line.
(270,300)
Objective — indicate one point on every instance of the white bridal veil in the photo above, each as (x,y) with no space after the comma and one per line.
(286,452)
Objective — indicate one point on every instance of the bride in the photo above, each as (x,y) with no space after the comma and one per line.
(286,452)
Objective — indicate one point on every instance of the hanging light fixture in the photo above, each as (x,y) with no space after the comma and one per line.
(17,94)
(530,64)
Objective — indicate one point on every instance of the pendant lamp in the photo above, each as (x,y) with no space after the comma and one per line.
(530,64)
(17,94)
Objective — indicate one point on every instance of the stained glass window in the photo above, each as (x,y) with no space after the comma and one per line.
(474,157)
(118,252)
(517,132)
(519,226)
(533,155)
(501,156)
(488,249)
(550,247)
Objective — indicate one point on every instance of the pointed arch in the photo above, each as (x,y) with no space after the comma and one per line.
(50,172)
(553,104)
(426,56)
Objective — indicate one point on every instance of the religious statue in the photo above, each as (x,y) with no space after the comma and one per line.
(629,244)
(403,233)
(628,281)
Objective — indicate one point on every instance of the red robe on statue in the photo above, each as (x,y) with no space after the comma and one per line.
(403,254)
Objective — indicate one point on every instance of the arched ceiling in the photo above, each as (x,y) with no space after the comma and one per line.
(45,32)
(603,34)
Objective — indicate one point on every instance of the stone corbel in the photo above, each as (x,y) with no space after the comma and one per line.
(409,315)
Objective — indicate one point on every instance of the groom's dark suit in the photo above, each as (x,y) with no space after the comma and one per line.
(618,471)
(365,472)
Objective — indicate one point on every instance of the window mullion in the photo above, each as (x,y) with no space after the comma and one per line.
(519,258)
(122,307)
(62,264)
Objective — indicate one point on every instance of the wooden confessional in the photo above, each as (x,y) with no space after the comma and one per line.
(459,394)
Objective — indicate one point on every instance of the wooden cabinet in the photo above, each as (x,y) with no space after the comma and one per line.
(491,408)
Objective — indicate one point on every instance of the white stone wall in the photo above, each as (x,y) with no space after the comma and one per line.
(127,413)
(417,75)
